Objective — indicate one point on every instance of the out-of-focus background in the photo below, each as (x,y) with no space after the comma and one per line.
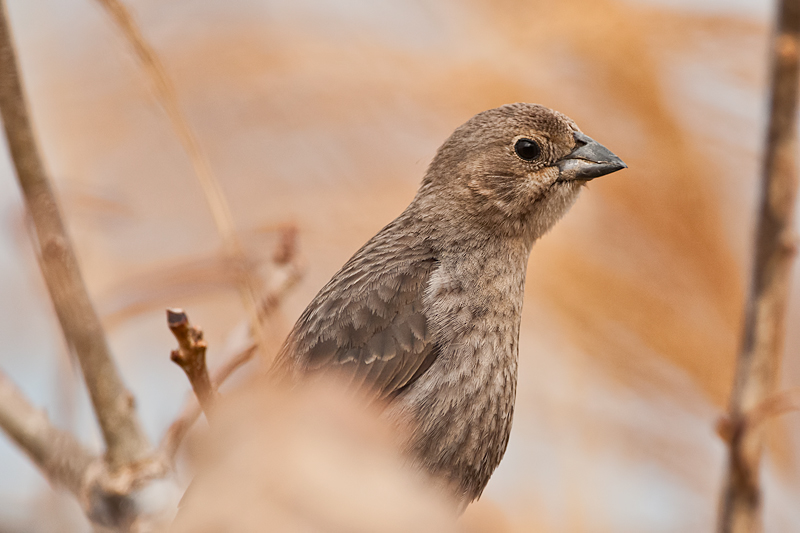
(325,114)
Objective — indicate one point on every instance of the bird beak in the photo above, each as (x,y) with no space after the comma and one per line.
(588,160)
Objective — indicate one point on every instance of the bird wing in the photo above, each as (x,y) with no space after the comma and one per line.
(368,323)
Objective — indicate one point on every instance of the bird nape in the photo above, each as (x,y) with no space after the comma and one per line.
(426,314)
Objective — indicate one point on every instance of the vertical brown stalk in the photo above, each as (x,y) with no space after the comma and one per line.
(759,357)
(113,404)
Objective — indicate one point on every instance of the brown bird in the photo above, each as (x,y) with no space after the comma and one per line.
(427,313)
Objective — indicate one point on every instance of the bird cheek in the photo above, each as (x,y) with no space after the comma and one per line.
(549,174)
(539,181)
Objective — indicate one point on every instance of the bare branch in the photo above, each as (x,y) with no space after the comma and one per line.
(106,497)
(760,354)
(191,357)
(113,404)
(57,454)
(776,405)
(178,429)
(287,276)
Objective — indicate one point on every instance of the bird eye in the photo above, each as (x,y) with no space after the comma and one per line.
(527,149)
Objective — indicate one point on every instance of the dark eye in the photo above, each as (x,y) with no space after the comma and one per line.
(527,149)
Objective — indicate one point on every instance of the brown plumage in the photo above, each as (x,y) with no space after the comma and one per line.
(427,313)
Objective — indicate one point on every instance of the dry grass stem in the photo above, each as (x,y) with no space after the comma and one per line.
(113,404)
(167,96)
(759,357)
(191,357)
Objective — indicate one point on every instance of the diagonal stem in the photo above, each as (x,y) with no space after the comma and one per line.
(167,96)
(113,404)
(57,454)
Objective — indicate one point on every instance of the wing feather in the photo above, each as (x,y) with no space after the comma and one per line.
(368,322)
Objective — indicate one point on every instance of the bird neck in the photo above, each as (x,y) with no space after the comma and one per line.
(453,214)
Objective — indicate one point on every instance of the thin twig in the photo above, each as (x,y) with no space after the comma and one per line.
(191,357)
(759,358)
(191,411)
(113,404)
(58,455)
(167,96)
(287,275)
(778,404)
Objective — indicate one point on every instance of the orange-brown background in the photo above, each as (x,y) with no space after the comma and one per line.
(325,114)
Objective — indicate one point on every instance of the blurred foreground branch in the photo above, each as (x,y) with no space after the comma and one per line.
(759,357)
(302,458)
(113,404)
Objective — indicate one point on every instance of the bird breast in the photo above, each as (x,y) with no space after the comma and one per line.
(463,405)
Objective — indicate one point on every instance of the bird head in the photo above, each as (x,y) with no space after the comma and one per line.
(516,169)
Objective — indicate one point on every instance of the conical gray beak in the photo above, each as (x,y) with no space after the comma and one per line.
(588,160)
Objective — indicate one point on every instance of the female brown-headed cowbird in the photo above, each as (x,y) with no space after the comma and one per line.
(427,313)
